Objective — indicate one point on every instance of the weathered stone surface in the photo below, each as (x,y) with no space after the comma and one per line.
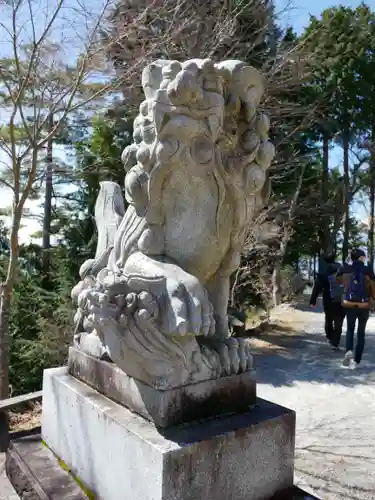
(118,454)
(235,393)
(36,474)
(196,177)
(28,474)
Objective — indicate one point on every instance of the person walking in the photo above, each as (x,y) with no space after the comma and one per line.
(332,291)
(359,291)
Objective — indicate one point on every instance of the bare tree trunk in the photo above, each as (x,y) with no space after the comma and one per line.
(325,238)
(315,265)
(370,243)
(310,268)
(276,284)
(371,226)
(5,305)
(5,301)
(345,244)
(234,286)
(277,291)
(276,274)
(48,200)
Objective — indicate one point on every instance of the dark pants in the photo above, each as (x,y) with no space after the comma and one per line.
(335,315)
(352,315)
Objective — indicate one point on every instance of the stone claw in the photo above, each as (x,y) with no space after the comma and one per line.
(224,358)
(242,354)
(250,359)
(208,322)
(178,318)
(234,357)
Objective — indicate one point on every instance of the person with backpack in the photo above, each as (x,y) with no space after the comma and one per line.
(332,291)
(359,291)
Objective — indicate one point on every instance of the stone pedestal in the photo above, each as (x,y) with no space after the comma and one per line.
(36,474)
(210,398)
(120,455)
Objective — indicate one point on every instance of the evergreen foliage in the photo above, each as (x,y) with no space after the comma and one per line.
(320,95)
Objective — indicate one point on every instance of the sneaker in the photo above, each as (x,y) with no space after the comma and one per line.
(353,365)
(348,358)
(335,348)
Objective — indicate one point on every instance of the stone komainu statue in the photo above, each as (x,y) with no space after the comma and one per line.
(154,298)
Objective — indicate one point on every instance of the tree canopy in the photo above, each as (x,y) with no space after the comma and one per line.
(64,132)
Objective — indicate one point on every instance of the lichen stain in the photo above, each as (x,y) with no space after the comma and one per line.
(90,495)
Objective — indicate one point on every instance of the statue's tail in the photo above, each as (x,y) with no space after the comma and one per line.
(109,212)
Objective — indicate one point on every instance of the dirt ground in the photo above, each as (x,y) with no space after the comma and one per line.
(26,419)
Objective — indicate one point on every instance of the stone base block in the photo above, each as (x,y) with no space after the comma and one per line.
(121,456)
(233,394)
(37,475)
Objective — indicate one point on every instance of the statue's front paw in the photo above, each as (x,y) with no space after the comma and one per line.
(189,310)
(236,356)
(183,301)
(91,344)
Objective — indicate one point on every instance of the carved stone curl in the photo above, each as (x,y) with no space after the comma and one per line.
(154,298)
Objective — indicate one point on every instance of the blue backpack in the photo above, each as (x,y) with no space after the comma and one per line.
(357,290)
(336,289)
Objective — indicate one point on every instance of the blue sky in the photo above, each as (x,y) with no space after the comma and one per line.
(297,14)
(292,12)
(298,11)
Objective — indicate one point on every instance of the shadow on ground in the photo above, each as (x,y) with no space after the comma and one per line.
(305,307)
(306,357)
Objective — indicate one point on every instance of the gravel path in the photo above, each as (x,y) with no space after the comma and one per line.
(335,442)
(6,490)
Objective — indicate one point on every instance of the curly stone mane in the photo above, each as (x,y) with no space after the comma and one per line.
(207,104)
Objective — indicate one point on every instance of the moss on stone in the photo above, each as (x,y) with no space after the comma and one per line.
(90,495)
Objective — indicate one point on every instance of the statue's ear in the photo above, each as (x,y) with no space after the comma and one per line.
(246,83)
(152,77)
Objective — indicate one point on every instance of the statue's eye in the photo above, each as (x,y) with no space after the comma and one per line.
(202,150)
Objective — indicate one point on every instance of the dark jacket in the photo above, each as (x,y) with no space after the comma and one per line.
(321,285)
(345,274)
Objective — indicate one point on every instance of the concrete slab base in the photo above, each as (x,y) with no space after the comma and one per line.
(37,475)
(235,393)
(120,455)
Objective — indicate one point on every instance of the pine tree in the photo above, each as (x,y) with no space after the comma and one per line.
(338,41)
